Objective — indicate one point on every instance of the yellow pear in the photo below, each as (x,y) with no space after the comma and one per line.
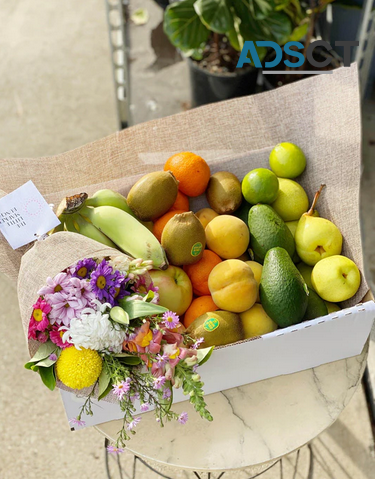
(316,238)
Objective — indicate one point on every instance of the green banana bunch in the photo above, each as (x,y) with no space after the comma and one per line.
(105,218)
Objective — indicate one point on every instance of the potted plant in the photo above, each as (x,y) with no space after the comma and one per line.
(211,33)
(314,10)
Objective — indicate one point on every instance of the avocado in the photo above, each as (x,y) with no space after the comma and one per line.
(283,292)
(243,211)
(268,230)
(316,307)
(217,328)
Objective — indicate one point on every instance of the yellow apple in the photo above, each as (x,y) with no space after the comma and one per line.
(175,289)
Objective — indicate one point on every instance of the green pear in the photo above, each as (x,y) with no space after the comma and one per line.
(316,238)
(336,278)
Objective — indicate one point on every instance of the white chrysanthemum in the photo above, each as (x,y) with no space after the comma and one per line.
(120,263)
(94,330)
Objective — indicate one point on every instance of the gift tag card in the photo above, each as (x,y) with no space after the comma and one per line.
(25,216)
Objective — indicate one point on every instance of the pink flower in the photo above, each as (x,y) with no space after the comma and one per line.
(197,343)
(64,307)
(159,382)
(81,289)
(56,337)
(77,422)
(172,337)
(39,320)
(134,423)
(60,282)
(155,344)
(144,407)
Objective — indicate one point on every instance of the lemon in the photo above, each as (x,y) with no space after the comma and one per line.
(256,322)
(292,200)
(260,186)
(287,160)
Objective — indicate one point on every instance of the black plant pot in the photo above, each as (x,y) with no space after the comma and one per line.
(320,53)
(162,3)
(207,87)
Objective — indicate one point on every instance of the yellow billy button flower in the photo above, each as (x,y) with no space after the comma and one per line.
(38,315)
(78,369)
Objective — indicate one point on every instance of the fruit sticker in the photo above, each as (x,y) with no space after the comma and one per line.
(211,324)
(197,248)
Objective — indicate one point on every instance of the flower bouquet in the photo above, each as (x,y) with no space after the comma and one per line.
(96,327)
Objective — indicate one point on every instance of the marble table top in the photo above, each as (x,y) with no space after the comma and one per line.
(253,424)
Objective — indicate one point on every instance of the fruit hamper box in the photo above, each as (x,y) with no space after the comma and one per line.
(321,115)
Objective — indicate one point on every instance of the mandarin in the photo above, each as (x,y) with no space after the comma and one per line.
(199,306)
(191,171)
(199,272)
(181,203)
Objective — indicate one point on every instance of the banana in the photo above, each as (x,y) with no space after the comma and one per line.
(109,198)
(68,223)
(128,233)
(88,229)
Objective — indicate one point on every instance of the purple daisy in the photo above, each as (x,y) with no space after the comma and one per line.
(102,282)
(121,388)
(83,268)
(159,382)
(114,450)
(170,319)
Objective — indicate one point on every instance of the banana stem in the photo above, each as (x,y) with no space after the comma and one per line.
(315,199)
(74,203)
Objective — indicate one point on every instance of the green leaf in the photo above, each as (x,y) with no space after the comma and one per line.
(48,377)
(105,392)
(298,33)
(215,14)
(280,27)
(204,354)
(104,382)
(43,352)
(183,26)
(257,9)
(140,309)
(47,362)
(130,360)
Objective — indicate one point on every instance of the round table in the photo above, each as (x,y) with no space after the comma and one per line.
(254,425)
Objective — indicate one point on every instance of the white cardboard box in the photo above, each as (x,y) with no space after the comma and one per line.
(306,345)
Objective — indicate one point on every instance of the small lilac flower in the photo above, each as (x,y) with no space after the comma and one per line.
(144,407)
(183,418)
(53,357)
(60,282)
(121,388)
(159,382)
(83,268)
(166,393)
(76,422)
(170,319)
(194,369)
(197,343)
(135,397)
(134,423)
(114,450)
(162,360)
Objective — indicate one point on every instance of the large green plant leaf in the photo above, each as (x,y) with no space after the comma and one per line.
(140,309)
(280,27)
(183,26)
(215,14)
(258,9)
(48,377)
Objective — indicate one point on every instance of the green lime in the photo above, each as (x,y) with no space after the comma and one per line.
(260,186)
(287,160)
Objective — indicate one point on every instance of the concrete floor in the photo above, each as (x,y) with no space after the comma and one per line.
(56,93)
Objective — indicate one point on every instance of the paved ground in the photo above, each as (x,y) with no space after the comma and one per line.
(56,93)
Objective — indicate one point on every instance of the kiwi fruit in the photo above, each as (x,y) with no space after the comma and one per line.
(153,195)
(217,328)
(224,193)
(183,239)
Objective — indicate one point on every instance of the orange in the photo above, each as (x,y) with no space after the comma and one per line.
(161,222)
(199,306)
(199,272)
(191,171)
(181,203)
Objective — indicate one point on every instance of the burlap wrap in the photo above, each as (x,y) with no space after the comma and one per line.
(320,114)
